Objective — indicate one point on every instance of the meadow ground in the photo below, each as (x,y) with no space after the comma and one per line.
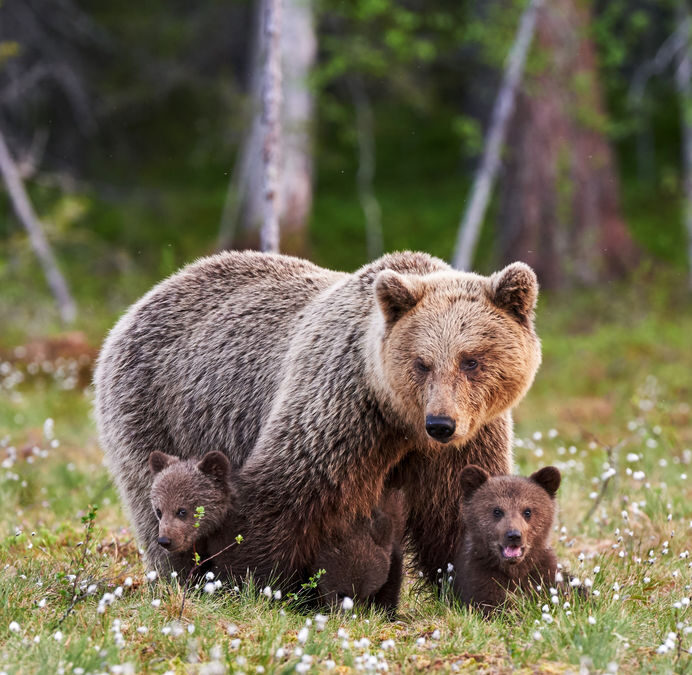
(610,408)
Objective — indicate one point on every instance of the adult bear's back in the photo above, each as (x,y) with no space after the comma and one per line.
(162,381)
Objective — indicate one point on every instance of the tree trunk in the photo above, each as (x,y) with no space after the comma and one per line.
(271,127)
(25,213)
(243,211)
(560,209)
(470,226)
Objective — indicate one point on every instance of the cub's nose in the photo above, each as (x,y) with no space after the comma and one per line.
(440,428)
(513,537)
(164,541)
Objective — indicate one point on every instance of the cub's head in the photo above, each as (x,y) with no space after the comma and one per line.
(456,349)
(357,562)
(508,517)
(178,490)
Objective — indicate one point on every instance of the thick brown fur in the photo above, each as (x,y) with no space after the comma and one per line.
(311,382)
(505,513)
(178,489)
(366,561)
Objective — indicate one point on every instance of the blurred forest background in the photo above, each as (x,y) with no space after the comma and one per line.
(136,136)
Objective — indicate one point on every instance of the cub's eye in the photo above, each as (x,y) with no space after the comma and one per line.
(469,364)
(527,513)
(158,513)
(421,366)
(498,513)
(181,513)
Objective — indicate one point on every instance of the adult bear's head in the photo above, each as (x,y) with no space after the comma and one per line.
(456,349)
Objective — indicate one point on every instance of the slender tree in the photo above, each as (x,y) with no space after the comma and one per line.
(470,226)
(27,216)
(243,211)
(271,126)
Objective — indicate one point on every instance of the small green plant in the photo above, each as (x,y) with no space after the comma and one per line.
(199,514)
(310,584)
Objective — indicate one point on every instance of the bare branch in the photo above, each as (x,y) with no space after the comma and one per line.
(470,226)
(25,213)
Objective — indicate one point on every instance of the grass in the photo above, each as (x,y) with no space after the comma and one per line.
(610,408)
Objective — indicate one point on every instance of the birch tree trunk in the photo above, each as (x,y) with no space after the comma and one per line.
(243,211)
(27,216)
(560,208)
(470,226)
(683,80)
(271,127)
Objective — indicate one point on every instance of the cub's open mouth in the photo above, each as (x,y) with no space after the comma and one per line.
(512,553)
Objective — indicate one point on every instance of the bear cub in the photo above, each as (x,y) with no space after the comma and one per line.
(178,489)
(506,527)
(366,562)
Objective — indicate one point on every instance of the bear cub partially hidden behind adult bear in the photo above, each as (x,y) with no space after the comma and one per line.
(365,562)
(507,522)
(178,489)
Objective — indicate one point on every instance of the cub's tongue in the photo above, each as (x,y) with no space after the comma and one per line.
(511,551)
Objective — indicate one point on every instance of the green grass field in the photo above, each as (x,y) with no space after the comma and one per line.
(610,408)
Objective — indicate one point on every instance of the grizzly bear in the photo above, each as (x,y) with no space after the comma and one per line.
(366,561)
(507,522)
(318,385)
(178,491)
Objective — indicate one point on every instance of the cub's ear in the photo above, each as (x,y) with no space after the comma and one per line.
(397,294)
(158,461)
(215,465)
(515,288)
(472,477)
(381,528)
(548,478)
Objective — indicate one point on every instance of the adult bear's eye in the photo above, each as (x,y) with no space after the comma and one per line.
(498,513)
(421,366)
(527,513)
(469,364)
(181,513)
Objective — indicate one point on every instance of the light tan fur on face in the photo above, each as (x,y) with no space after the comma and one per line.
(456,319)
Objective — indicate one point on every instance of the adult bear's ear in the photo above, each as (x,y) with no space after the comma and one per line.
(472,477)
(158,461)
(381,528)
(515,288)
(215,465)
(397,294)
(548,478)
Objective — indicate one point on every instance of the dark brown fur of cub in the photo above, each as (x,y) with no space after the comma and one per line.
(507,522)
(179,488)
(366,561)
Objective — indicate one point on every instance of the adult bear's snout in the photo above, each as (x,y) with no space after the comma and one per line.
(440,428)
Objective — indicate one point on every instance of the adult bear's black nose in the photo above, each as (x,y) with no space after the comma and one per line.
(440,428)
(164,541)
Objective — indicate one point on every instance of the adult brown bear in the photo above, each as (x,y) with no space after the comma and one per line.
(319,386)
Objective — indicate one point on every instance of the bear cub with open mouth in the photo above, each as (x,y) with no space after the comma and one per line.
(507,522)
